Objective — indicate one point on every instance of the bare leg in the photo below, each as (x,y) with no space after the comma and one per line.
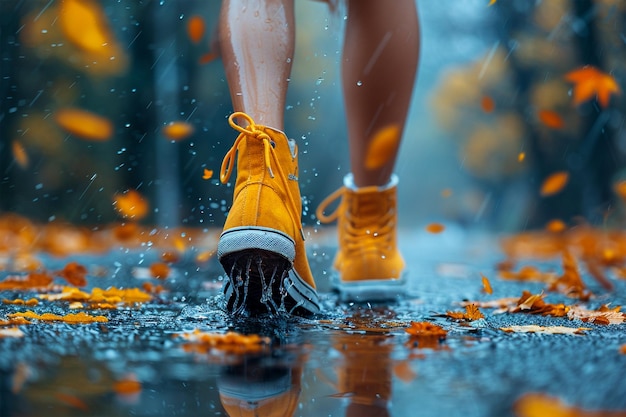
(257,40)
(381,51)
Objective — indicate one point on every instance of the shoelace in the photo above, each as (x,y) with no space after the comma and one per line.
(357,228)
(256,131)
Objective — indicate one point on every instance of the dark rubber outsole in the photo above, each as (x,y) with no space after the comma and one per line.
(257,280)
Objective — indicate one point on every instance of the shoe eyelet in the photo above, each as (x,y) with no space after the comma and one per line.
(273,144)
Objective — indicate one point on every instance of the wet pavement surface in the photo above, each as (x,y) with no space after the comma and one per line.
(352,360)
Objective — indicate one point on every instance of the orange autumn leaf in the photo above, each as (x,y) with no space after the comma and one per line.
(382,146)
(127,386)
(551,119)
(84,23)
(19,154)
(177,130)
(486,285)
(590,82)
(180,244)
(131,205)
(85,124)
(32,280)
(159,270)
(542,405)
(554,183)
(435,228)
(170,257)
(602,315)
(229,342)
(620,189)
(204,256)
(149,288)
(110,295)
(487,104)
(556,226)
(195,28)
(15,321)
(492,2)
(570,282)
(471,313)
(19,301)
(535,304)
(74,273)
(206,58)
(622,349)
(78,318)
(72,401)
(521,156)
(207,174)
(426,329)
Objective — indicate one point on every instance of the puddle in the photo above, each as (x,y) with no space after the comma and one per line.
(351,360)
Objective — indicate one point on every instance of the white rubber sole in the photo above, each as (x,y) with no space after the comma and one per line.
(370,290)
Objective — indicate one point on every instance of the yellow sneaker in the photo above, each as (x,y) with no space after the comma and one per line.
(262,245)
(368,265)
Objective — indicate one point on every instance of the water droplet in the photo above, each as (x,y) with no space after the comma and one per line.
(359,83)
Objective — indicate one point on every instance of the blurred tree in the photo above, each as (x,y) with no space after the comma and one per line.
(529,126)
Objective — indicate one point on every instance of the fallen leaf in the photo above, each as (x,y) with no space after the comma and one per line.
(487,104)
(543,405)
(229,342)
(535,304)
(532,328)
(382,146)
(131,205)
(435,228)
(556,226)
(19,301)
(178,131)
(195,28)
(19,154)
(486,285)
(206,58)
(72,401)
(159,270)
(471,313)
(551,119)
(554,183)
(78,318)
(129,385)
(590,82)
(34,280)
(74,273)
(600,316)
(84,124)
(207,174)
(425,328)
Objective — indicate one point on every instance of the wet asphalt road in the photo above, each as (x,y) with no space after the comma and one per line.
(351,360)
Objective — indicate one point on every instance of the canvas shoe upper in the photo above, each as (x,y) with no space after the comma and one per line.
(265,220)
(368,265)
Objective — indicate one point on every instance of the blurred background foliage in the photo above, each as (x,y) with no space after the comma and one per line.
(493,116)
